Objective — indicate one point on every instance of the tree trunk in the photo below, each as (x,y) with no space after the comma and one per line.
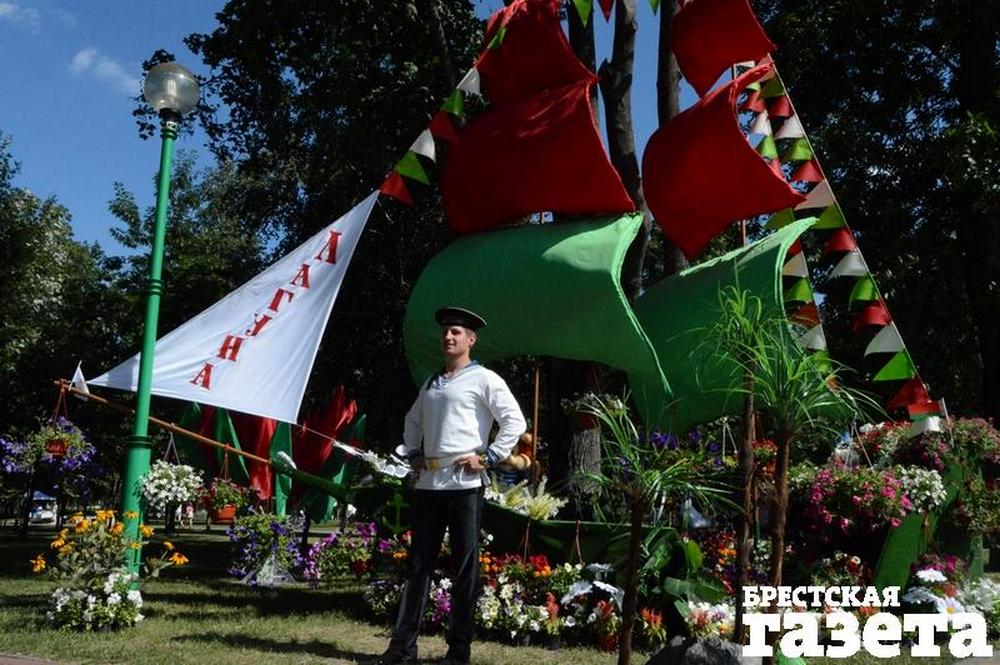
(616,86)
(780,516)
(746,459)
(441,43)
(630,603)
(584,459)
(668,105)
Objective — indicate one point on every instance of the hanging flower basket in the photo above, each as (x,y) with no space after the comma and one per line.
(224,515)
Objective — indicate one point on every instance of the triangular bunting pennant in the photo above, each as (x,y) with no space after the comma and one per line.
(874,314)
(606,6)
(841,240)
(799,151)
(820,196)
(754,102)
(796,247)
(441,127)
(831,218)
(899,368)
(411,167)
(806,316)
(583,8)
(864,290)
(772,88)
(912,392)
(498,37)
(813,339)
(470,82)
(655,4)
(888,340)
(424,145)
(801,291)
(796,266)
(455,104)
(923,410)
(395,187)
(790,129)
(781,107)
(808,172)
(924,425)
(767,148)
(780,219)
(823,363)
(852,265)
(775,165)
(761,125)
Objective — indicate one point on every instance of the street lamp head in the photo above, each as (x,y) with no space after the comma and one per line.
(170,88)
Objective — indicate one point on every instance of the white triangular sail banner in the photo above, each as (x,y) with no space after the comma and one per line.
(888,340)
(791,129)
(424,145)
(253,350)
(852,265)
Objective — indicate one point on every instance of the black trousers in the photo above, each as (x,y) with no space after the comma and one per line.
(431,512)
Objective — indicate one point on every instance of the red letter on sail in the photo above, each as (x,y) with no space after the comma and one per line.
(204,378)
(302,277)
(258,323)
(330,248)
(230,347)
(279,295)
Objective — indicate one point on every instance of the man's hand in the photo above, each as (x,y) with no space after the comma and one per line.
(470,463)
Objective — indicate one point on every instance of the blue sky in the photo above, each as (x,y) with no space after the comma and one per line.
(71,69)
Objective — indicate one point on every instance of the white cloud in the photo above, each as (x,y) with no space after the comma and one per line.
(93,63)
(25,17)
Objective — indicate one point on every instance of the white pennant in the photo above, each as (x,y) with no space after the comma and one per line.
(820,196)
(796,267)
(79,383)
(888,340)
(791,129)
(852,265)
(470,82)
(253,350)
(929,424)
(813,339)
(424,145)
(761,124)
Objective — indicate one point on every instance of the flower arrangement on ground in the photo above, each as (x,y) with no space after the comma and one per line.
(850,499)
(841,569)
(924,487)
(263,538)
(95,592)
(348,551)
(705,620)
(166,483)
(536,503)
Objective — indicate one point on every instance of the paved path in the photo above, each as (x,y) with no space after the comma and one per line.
(7,659)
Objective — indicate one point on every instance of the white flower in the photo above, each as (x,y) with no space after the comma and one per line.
(931,575)
(135,598)
(580,588)
(919,595)
(569,621)
(114,599)
(948,606)
(139,617)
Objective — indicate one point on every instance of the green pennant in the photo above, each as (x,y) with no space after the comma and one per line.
(899,368)
(780,219)
(455,104)
(655,4)
(767,147)
(772,88)
(411,167)
(801,291)
(281,442)
(823,362)
(583,8)
(498,37)
(831,218)
(799,151)
(754,86)
(864,289)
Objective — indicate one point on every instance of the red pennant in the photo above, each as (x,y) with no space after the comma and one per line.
(703,149)
(254,434)
(874,314)
(806,316)
(708,36)
(780,107)
(842,240)
(796,248)
(441,127)
(913,392)
(775,165)
(606,6)
(808,172)
(533,56)
(542,153)
(931,408)
(754,102)
(395,187)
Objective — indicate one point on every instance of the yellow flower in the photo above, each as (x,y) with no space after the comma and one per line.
(178,559)
(167,545)
(135,546)
(117,529)
(38,564)
(82,526)
(131,515)
(64,534)
(76,517)
(146,531)
(65,549)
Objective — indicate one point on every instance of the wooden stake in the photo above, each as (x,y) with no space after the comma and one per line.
(534,425)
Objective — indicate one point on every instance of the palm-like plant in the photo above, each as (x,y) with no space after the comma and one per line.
(646,476)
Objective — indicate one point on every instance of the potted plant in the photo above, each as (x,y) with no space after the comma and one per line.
(223,498)
(581,409)
(168,484)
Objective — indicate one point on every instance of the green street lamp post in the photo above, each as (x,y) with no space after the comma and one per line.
(172,91)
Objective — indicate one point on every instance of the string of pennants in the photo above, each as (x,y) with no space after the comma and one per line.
(584,7)
(779,125)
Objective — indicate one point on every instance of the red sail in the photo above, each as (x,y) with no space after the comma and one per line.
(700,174)
(540,154)
(709,36)
(311,446)
(533,54)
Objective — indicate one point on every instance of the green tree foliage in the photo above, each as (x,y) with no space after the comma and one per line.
(313,102)
(901,101)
